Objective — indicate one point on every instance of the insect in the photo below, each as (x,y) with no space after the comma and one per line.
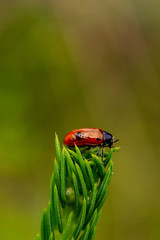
(90,137)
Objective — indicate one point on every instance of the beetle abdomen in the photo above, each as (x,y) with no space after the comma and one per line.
(84,137)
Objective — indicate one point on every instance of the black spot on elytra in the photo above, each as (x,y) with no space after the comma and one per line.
(79,135)
(98,139)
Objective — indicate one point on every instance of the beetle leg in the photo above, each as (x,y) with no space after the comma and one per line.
(98,151)
(102,155)
(88,147)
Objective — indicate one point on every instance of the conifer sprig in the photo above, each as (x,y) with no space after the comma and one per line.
(78,190)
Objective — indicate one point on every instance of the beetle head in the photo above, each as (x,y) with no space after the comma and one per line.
(108,139)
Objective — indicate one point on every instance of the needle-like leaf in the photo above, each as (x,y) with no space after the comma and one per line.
(78,190)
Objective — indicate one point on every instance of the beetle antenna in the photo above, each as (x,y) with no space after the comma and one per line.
(116,140)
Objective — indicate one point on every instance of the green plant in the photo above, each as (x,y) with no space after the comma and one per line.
(78,190)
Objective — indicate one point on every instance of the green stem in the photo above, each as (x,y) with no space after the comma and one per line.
(78,190)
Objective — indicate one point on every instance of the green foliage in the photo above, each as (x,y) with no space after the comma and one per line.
(78,190)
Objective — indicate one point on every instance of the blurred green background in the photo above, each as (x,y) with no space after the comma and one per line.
(72,64)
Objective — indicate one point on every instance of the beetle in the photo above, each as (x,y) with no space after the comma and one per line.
(89,137)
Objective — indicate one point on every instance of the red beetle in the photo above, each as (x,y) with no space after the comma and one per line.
(90,137)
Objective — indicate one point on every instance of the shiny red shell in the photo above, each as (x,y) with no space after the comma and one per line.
(84,137)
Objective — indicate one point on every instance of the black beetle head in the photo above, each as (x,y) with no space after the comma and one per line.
(107,139)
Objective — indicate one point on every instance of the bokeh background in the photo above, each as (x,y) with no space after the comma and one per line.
(72,64)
